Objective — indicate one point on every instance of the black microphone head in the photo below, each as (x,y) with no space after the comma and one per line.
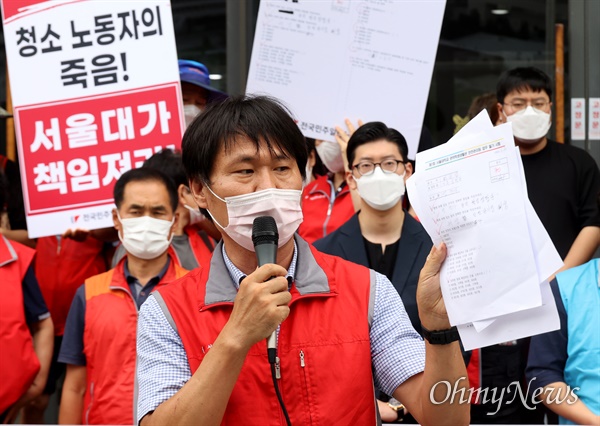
(264,231)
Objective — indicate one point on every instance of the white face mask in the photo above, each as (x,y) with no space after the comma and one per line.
(282,204)
(195,215)
(190,112)
(309,177)
(330,154)
(530,125)
(380,190)
(145,237)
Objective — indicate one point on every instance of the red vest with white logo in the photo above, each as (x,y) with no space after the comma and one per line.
(322,215)
(61,265)
(18,361)
(323,346)
(110,345)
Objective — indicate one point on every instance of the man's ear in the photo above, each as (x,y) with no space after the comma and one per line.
(181,193)
(175,222)
(312,158)
(116,220)
(350,180)
(408,170)
(501,116)
(198,192)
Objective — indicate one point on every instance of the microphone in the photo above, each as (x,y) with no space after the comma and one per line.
(266,238)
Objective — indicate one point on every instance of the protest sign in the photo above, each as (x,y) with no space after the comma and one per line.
(337,59)
(95,89)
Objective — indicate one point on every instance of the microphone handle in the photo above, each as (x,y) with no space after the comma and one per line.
(267,253)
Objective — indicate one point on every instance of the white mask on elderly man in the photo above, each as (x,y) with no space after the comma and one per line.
(190,112)
(145,237)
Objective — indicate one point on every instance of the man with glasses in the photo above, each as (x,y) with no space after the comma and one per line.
(382,236)
(562,180)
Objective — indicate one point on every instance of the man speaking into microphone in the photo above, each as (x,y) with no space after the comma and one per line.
(337,327)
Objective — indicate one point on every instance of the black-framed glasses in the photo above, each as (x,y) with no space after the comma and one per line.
(366,168)
(519,105)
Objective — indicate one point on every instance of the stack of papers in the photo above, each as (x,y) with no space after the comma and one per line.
(471,194)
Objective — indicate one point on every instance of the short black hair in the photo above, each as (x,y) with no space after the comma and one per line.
(145,174)
(374,131)
(260,119)
(523,78)
(169,162)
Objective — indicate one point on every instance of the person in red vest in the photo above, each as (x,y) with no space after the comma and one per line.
(335,328)
(26,330)
(100,333)
(193,241)
(61,265)
(327,202)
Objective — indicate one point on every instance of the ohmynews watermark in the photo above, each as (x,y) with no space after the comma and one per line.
(503,396)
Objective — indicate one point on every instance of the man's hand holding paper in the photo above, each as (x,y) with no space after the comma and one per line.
(470,194)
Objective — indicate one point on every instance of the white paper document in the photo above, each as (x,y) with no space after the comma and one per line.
(514,326)
(357,59)
(471,194)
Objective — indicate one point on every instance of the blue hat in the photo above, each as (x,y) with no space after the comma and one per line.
(196,73)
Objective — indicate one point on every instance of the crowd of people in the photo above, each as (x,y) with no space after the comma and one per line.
(162,319)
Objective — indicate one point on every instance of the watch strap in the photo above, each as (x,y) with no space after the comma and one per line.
(440,337)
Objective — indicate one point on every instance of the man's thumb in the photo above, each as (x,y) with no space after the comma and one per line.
(434,260)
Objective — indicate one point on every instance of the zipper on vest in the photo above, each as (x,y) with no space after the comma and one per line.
(131,297)
(277,368)
(328,216)
(305,387)
(89,408)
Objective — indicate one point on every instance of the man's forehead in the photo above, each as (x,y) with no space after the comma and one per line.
(380,147)
(242,145)
(527,92)
(137,190)
(191,89)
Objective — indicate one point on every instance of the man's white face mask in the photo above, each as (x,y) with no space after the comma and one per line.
(190,112)
(381,190)
(529,125)
(330,154)
(145,237)
(195,215)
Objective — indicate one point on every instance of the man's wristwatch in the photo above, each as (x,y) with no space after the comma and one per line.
(440,337)
(398,407)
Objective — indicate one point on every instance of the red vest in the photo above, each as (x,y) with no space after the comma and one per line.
(110,345)
(321,216)
(18,362)
(323,345)
(61,267)
(200,250)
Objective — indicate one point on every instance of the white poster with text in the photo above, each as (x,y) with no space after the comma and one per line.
(358,59)
(95,89)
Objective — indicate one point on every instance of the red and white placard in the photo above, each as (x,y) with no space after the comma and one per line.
(578,119)
(95,90)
